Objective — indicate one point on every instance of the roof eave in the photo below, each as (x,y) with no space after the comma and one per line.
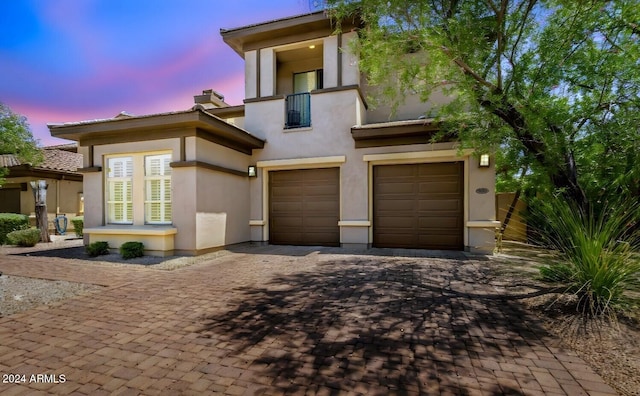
(27,170)
(397,133)
(182,123)
(240,38)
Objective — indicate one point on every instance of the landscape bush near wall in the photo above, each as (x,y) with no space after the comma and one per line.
(10,222)
(26,238)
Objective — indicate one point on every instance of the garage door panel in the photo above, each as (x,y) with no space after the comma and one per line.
(439,187)
(287,221)
(287,207)
(438,241)
(304,207)
(287,191)
(399,171)
(418,205)
(438,169)
(396,240)
(396,188)
(284,177)
(326,208)
(393,205)
(438,223)
(320,222)
(321,174)
(319,235)
(319,190)
(398,222)
(435,205)
(287,237)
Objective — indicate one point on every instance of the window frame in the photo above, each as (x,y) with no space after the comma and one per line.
(319,77)
(139,183)
(162,201)
(110,181)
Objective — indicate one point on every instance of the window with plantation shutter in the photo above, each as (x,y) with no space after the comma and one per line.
(120,190)
(157,177)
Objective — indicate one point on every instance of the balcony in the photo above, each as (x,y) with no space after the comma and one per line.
(298,110)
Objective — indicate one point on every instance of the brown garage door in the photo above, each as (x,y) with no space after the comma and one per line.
(418,206)
(304,207)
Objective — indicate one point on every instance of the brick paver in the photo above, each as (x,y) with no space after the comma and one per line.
(285,320)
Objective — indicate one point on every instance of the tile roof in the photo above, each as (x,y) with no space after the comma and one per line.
(8,160)
(63,160)
(67,147)
(54,160)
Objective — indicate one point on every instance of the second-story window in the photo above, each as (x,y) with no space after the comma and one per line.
(298,105)
(307,81)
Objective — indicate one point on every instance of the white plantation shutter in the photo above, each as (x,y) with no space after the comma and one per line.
(120,190)
(157,189)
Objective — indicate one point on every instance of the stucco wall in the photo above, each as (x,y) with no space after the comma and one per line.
(329,60)
(62,196)
(215,154)
(267,72)
(93,200)
(222,215)
(184,187)
(481,190)
(350,69)
(216,204)
(250,74)
(411,106)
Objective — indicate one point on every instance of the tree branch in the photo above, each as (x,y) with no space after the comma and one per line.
(466,69)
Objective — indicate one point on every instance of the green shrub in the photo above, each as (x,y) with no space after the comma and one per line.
(98,248)
(11,222)
(130,250)
(78,225)
(28,237)
(598,249)
(557,272)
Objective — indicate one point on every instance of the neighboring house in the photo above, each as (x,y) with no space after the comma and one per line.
(303,162)
(59,169)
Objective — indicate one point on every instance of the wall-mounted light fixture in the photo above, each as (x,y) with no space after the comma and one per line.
(252,171)
(484,160)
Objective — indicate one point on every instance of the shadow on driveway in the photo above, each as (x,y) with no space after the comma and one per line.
(378,325)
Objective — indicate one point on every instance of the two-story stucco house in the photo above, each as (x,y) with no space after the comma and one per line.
(304,161)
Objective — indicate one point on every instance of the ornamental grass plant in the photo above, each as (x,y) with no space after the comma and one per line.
(598,249)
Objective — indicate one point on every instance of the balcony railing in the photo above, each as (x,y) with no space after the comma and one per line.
(298,110)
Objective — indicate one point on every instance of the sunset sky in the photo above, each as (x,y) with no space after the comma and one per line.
(75,60)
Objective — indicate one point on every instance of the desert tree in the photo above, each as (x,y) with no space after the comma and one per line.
(551,86)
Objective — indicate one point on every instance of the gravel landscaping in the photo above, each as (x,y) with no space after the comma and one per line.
(19,294)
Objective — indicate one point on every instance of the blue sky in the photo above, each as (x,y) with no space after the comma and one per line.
(74,60)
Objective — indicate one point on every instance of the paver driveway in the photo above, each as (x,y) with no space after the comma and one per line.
(292,320)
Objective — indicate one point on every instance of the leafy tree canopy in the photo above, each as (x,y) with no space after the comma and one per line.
(550,85)
(16,138)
